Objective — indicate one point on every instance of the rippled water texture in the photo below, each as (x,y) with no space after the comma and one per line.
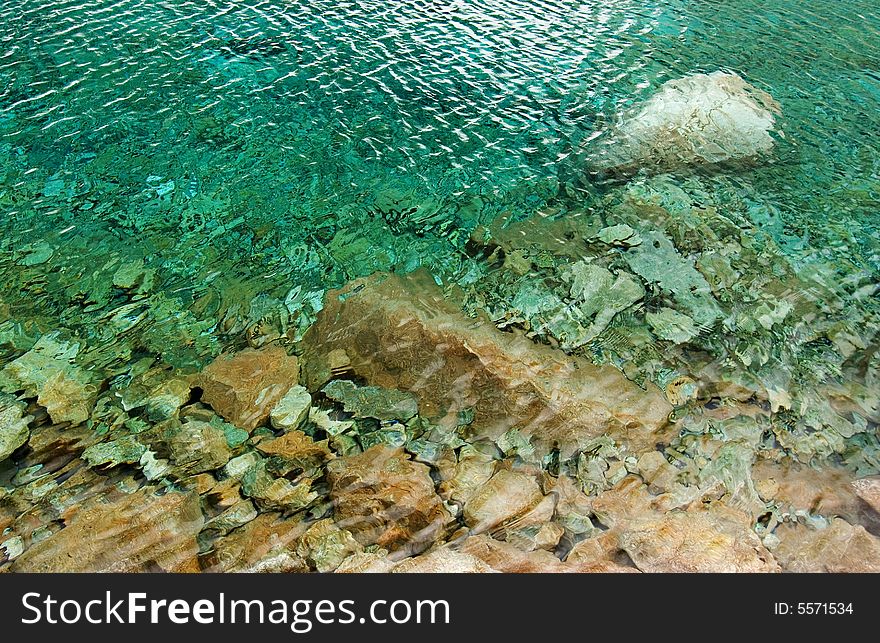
(141,116)
(182,179)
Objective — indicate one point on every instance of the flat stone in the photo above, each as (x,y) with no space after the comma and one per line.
(325,545)
(694,120)
(385,498)
(372,401)
(405,333)
(138,532)
(508,494)
(265,544)
(868,489)
(14,430)
(292,409)
(840,547)
(443,561)
(244,387)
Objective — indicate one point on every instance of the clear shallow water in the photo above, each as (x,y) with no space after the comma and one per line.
(179,179)
(256,153)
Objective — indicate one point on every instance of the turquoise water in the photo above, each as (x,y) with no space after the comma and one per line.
(178,179)
(244,149)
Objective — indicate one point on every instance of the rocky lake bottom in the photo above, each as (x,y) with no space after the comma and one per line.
(558,287)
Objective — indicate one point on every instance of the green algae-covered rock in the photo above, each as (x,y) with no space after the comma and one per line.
(14,430)
(372,401)
(124,450)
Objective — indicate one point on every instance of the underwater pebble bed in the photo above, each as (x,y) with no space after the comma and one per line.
(479,286)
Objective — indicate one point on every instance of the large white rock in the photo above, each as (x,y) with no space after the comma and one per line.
(698,119)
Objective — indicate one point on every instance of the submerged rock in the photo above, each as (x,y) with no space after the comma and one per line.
(868,489)
(47,372)
(698,119)
(443,561)
(292,409)
(139,532)
(385,498)
(325,545)
(506,495)
(695,541)
(839,547)
(404,333)
(271,492)
(598,296)
(266,544)
(14,430)
(664,534)
(244,387)
(372,401)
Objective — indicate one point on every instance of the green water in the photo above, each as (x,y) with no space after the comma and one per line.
(236,160)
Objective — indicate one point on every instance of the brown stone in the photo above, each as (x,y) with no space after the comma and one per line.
(508,494)
(671,533)
(325,545)
(841,547)
(827,491)
(385,498)
(295,445)
(504,557)
(868,489)
(443,561)
(266,544)
(404,333)
(695,541)
(470,473)
(366,563)
(138,532)
(244,387)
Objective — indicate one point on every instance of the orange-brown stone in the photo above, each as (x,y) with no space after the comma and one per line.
(244,387)
(402,332)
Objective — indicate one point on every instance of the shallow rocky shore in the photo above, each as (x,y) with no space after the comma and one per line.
(402,435)
(640,379)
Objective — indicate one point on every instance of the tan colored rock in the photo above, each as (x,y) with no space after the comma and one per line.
(604,547)
(841,547)
(266,544)
(507,558)
(508,494)
(198,446)
(366,563)
(827,491)
(868,489)
(673,533)
(138,532)
(68,396)
(47,372)
(273,491)
(657,472)
(443,561)
(573,507)
(471,472)
(298,449)
(385,498)
(161,392)
(14,430)
(325,545)
(695,541)
(244,387)
(405,333)
(534,529)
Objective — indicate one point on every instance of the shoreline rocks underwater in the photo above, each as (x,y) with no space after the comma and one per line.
(646,383)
